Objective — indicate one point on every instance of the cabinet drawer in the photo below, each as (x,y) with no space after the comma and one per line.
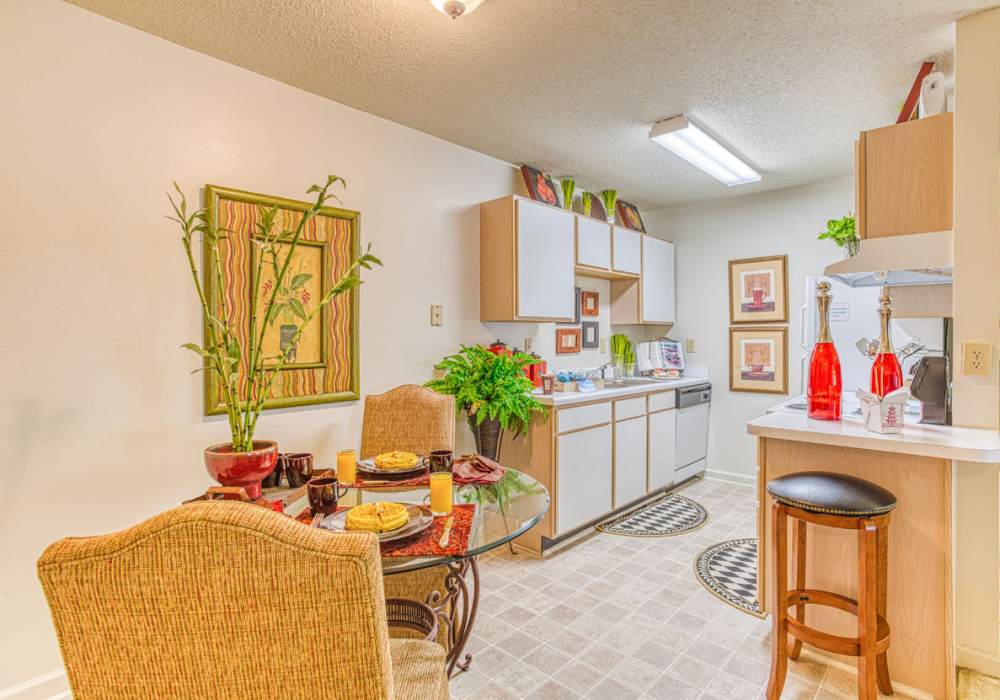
(583,416)
(662,401)
(630,408)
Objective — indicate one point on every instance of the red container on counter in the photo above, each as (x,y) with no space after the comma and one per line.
(498,347)
(534,372)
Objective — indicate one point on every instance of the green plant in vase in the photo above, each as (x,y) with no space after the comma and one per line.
(622,354)
(610,199)
(843,233)
(492,390)
(246,373)
(586,198)
(568,187)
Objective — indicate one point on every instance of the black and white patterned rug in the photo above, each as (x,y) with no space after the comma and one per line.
(729,570)
(669,515)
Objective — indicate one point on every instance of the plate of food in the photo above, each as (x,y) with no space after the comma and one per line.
(397,464)
(389,521)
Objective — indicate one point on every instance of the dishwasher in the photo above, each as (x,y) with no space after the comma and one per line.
(692,431)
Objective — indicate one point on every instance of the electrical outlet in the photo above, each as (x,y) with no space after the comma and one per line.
(689,345)
(437,315)
(528,346)
(977,359)
(603,343)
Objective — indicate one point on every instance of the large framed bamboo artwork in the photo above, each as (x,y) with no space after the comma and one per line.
(322,367)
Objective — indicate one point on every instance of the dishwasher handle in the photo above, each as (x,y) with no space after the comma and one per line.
(694,395)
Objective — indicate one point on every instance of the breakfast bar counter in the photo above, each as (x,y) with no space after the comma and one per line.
(916,466)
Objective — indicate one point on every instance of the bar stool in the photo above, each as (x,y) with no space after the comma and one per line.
(832,500)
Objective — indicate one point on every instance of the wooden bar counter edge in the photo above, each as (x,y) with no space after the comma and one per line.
(917,466)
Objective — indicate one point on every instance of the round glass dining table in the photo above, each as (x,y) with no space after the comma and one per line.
(504,511)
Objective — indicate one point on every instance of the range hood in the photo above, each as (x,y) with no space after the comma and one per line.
(899,261)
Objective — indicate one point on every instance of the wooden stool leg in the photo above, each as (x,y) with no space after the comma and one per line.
(881,661)
(800,583)
(779,642)
(867,609)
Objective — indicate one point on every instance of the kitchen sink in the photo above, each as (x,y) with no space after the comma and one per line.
(619,383)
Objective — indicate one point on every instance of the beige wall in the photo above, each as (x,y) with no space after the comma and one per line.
(100,423)
(707,235)
(977,313)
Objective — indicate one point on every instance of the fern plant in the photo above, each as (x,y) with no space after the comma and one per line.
(488,386)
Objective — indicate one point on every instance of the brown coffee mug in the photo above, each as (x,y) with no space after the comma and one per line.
(439,460)
(274,478)
(324,494)
(298,467)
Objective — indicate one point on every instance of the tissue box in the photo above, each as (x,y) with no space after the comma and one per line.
(885,415)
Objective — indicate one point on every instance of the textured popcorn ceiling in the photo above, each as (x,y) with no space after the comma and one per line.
(572,86)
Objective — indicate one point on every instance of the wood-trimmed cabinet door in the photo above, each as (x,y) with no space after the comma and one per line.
(545,262)
(626,255)
(662,428)
(593,243)
(630,460)
(657,285)
(583,477)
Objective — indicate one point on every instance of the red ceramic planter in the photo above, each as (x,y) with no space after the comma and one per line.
(244,469)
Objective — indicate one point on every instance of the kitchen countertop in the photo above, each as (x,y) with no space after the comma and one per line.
(560,399)
(941,441)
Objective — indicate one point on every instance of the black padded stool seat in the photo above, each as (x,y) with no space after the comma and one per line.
(834,494)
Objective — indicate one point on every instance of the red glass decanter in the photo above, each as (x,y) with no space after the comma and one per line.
(887,373)
(825,385)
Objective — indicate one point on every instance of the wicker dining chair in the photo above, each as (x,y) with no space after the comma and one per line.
(415,419)
(230,600)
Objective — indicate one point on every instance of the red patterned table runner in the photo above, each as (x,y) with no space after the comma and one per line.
(425,544)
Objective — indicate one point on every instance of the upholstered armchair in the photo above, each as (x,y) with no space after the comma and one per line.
(415,419)
(230,600)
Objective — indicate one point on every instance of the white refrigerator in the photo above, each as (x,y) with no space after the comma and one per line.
(854,315)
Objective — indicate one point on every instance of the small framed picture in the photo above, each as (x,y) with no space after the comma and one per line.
(629,216)
(568,340)
(590,303)
(758,290)
(597,208)
(539,185)
(591,335)
(758,360)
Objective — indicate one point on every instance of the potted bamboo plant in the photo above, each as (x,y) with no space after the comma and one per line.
(492,390)
(246,374)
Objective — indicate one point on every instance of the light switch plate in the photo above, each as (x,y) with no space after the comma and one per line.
(437,315)
(603,343)
(528,346)
(977,359)
(689,345)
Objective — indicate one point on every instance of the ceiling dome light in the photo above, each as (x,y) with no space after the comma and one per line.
(456,8)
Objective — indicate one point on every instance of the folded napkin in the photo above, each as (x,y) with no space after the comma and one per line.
(476,469)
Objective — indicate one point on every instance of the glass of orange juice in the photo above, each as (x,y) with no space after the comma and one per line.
(440,493)
(347,467)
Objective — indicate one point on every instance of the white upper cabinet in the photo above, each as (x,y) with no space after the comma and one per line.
(657,283)
(627,252)
(545,260)
(593,243)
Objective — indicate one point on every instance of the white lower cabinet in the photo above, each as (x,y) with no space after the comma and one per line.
(583,477)
(662,439)
(630,460)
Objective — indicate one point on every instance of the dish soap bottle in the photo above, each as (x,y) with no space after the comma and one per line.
(887,373)
(825,386)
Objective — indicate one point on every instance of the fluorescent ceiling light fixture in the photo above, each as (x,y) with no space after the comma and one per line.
(687,140)
(456,8)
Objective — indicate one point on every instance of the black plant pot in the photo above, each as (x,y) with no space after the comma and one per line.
(488,435)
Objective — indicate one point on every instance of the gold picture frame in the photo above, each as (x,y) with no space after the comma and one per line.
(324,367)
(758,290)
(758,360)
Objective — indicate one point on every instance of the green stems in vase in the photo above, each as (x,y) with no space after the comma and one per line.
(610,199)
(568,187)
(586,198)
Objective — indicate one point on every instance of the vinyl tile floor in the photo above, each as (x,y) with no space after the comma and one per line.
(611,617)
